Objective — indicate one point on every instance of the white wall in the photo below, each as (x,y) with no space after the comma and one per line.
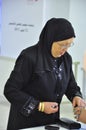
(78,18)
(56,8)
(0,25)
(6,66)
(21,25)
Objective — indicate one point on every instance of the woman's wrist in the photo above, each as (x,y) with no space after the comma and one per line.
(41,106)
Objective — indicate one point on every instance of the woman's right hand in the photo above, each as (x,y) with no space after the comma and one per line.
(50,107)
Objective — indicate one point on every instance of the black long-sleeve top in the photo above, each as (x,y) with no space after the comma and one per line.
(35,79)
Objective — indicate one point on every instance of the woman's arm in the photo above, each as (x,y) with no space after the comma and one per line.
(16,85)
(73,89)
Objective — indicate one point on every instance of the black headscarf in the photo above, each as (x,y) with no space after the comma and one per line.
(56,29)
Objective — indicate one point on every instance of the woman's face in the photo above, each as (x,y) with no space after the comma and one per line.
(59,48)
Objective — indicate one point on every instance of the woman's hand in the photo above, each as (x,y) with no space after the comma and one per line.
(79,109)
(50,107)
(78,101)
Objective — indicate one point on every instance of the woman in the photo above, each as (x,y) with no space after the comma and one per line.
(41,76)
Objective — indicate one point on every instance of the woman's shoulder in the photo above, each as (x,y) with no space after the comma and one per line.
(28,54)
(29,50)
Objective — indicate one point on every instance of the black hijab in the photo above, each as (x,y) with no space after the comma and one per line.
(56,29)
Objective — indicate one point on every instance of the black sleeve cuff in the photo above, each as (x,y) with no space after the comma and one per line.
(77,94)
(29,107)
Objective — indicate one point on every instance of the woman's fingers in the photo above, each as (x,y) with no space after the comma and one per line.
(50,107)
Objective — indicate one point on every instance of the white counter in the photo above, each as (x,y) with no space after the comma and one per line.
(83,127)
(40,128)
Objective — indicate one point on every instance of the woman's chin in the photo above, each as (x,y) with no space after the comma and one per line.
(57,56)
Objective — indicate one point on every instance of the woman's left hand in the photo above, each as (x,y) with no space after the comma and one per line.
(78,101)
(78,104)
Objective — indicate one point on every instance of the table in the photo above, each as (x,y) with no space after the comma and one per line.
(83,127)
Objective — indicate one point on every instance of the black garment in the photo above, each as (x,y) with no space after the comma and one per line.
(34,80)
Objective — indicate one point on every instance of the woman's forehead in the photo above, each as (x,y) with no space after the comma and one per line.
(66,41)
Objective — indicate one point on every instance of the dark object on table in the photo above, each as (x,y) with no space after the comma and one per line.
(68,123)
(50,127)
